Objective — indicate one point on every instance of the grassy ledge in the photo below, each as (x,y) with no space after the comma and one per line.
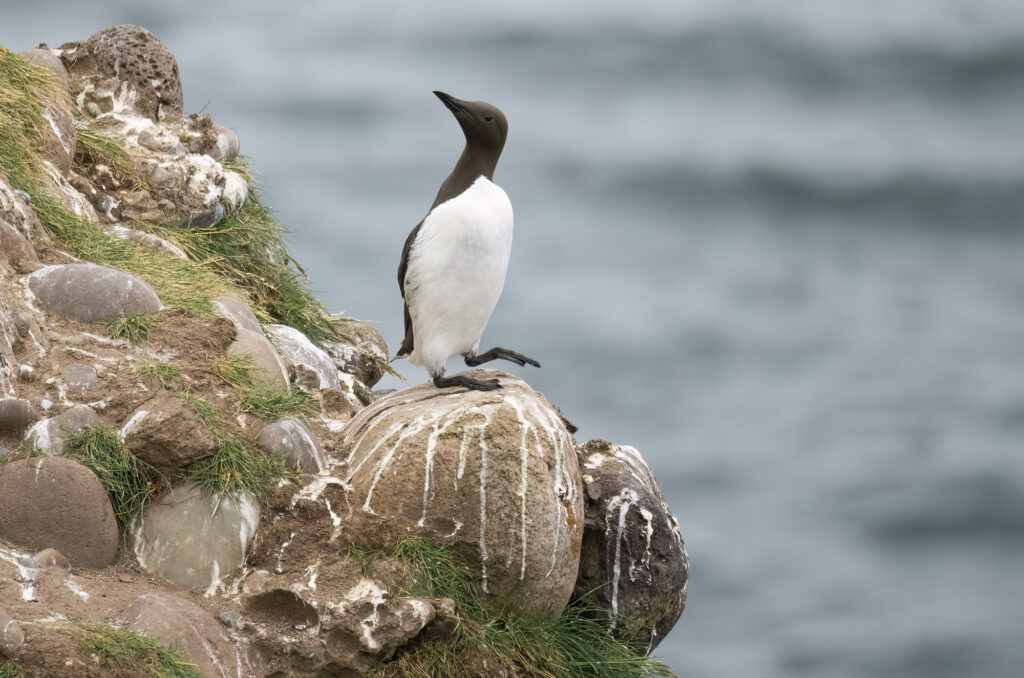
(573,645)
(123,649)
(244,253)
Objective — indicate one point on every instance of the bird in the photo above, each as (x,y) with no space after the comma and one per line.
(454,261)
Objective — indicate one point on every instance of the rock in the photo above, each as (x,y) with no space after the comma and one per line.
(194,541)
(49,558)
(268,365)
(125,67)
(44,56)
(55,502)
(204,218)
(153,243)
(15,414)
(168,433)
(634,562)
(50,434)
(87,292)
(79,375)
(16,249)
(360,351)
(227,146)
(493,474)
(12,636)
(295,348)
(237,311)
(59,138)
(191,630)
(236,189)
(291,441)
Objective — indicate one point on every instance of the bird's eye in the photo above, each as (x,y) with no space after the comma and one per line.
(488,117)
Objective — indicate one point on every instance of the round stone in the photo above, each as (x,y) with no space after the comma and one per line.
(87,292)
(79,375)
(267,363)
(15,414)
(55,502)
(297,349)
(492,474)
(12,636)
(291,441)
(634,562)
(50,434)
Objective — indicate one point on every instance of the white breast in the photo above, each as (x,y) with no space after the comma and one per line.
(456,271)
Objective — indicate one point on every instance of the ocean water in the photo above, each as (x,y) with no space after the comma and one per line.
(777,246)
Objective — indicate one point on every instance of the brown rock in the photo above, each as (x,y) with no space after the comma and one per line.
(15,414)
(168,433)
(17,249)
(493,474)
(360,351)
(55,502)
(193,631)
(634,562)
(130,56)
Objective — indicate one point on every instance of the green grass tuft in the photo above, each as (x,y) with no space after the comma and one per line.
(271,401)
(134,328)
(236,369)
(10,669)
(93,147)
(163,373)
(116,648)
(237,466)
(207,412)
(575,644)
(129,481)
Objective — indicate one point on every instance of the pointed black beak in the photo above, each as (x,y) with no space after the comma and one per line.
(453,104)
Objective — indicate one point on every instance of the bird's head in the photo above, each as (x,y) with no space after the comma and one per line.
(484,125)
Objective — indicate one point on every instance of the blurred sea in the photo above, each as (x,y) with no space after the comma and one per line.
(777,246)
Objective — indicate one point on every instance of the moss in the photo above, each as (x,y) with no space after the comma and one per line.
(129,481)
(120,648)
(489,639)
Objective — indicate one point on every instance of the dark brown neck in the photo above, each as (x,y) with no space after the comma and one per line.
(473,163)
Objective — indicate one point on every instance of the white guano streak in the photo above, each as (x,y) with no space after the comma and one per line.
(415,427)
(621,503)
(524,455)
(483,510)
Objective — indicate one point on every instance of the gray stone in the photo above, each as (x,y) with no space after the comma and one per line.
(492,474)
(167,433)
(50,434)
(16,249)
(12,636)
(295,348)
(87,292)
(633,561)
(154,142)
(360,352)
(291,441)
(44,56)
(15,414)
(195,541)
(153,243)
(129,62)
(237,311)
(227,146)
(192,631)
(267,363)
(79,375)
(207,217)
(55,502)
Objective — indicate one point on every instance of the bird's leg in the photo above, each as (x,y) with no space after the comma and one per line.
(502,353)
(468,382)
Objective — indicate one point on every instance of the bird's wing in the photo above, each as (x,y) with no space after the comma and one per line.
(403,265)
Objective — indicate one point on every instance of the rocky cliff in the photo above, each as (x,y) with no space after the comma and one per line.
(195,476)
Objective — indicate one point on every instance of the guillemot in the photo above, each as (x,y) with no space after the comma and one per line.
(454,262)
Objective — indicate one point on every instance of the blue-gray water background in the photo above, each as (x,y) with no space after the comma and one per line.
(777,246)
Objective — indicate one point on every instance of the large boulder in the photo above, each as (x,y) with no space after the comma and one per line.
(493,474)
(55,502)
(87,292)
(634,562)
(168,433)
(121,67)
(193,631)
(194,540)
